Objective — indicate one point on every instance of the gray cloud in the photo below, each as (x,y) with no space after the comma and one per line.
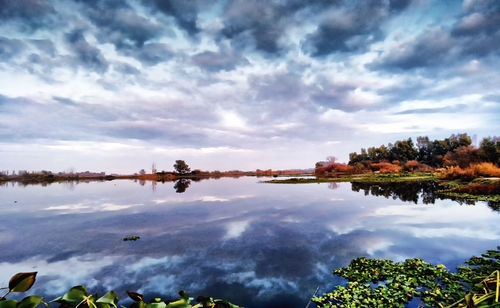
(450,109)
(478,28)
(29,14)
(184,12)
(287,93)
(262,24)
(331,94)
(123,26)
(492,97)
(64,100)
(68,119)
(126,69)
(233,73)
(351,27)
(430,48)
(88,56)
(474,34)
(10,48)
(44,45)
(135,131)
(280,87)
(151,53)
(218,61)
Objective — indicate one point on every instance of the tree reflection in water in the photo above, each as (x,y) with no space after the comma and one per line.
(406,191)
(424,191)
(333,185)
(181,185)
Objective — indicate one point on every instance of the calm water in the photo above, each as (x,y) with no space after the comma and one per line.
(258,245)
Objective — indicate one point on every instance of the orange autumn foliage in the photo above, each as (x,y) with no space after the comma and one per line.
(415,166)
(487,169)
(385,167)
(335,168)
(473,171)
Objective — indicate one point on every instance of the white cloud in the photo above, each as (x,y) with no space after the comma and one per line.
(89,207)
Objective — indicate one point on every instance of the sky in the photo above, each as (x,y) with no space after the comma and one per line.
(115,85)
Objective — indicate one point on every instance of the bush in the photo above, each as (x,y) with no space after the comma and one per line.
(335,168)
(474,171)
(415,166)
(455,172)
(487,169)
(385,167)
(463,157)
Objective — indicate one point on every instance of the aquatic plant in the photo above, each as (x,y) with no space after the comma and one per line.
(475,285)
(131,238)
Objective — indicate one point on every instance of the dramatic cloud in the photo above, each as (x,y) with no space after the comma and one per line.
(474,34)
(151,53)
(350,27)
(262,24)
(10,48)
(123,26)
(217,61)
(244,76)
(185,12)
(27,14)
(431,48)
(88,55)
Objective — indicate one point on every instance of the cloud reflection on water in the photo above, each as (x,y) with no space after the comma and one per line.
(268,244)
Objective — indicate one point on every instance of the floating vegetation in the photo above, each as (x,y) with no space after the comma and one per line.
(131,238)
(384,283)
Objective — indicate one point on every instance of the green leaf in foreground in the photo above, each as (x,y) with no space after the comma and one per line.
(109,298)
(74,295)
(157,305)
(184,302)
(30,302)
(9,303)
(22,282)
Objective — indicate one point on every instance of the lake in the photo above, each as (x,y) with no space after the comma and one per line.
(255,244)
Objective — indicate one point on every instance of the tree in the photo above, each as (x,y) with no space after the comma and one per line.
(403,150)
(181,167)
(331,159)
(490,150)
(424,146)
(463,157)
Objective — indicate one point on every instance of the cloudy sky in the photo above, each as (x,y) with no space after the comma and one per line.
(114,85)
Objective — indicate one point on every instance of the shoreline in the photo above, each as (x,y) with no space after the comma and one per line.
(42,178)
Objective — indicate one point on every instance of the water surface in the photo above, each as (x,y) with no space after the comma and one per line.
(255,244)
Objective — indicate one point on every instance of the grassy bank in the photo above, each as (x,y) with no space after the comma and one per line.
(363,178)
(479,189)
(44,178)
(469,191)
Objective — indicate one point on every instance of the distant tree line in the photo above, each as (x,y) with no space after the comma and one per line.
(455,150)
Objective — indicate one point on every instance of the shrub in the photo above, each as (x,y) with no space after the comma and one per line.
(455,172)
(463,157)
(415,166)
(385,167)
(473,171)
(487,169)
(335,168)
